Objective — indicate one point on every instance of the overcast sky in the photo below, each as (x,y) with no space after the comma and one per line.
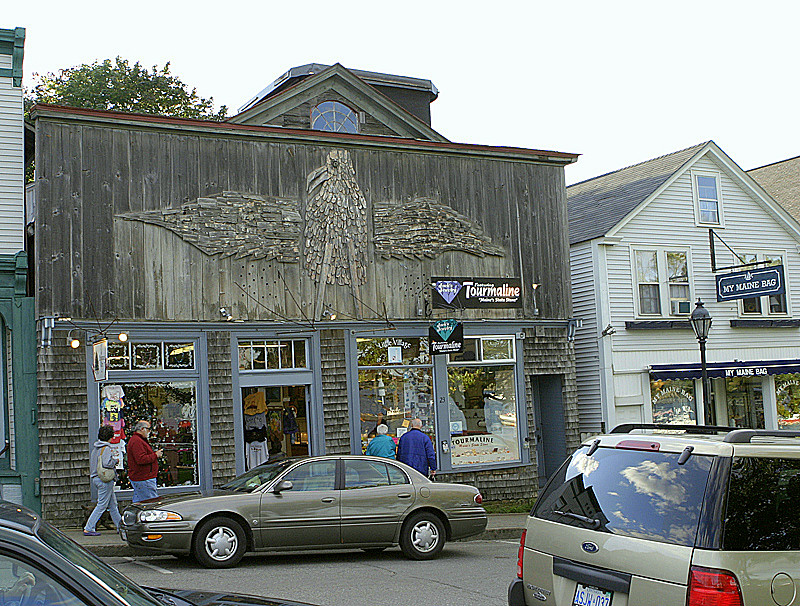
(618,82)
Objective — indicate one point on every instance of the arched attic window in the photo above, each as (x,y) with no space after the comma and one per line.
(334,116)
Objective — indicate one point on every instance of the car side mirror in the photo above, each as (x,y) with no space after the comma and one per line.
(283,485)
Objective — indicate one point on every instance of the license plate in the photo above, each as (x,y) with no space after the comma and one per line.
(586,595)
(123,533)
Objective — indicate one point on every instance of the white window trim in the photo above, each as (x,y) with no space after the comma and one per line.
(765,312)
(696,198)
(483,361)
(663,283)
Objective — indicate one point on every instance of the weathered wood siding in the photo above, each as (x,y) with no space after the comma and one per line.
(63,419)
(91,262)
(335,409)
(220,398)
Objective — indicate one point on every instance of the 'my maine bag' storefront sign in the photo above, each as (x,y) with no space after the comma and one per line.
(751,283)
(477,293)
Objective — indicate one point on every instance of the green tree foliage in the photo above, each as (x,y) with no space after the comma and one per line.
(119,86)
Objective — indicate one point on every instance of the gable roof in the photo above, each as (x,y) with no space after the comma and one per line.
(371,78)
(596,205)
(349,85)
(781,180)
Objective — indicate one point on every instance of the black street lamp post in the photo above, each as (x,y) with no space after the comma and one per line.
(701,324)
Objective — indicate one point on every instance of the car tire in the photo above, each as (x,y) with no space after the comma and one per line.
(219,543)
(422,536)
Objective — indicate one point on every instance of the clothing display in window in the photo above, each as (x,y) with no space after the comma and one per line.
(111,411)
(289,422)
(255,429)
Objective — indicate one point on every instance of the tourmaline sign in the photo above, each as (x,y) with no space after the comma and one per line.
(751,283)
(446,336)
(476,293)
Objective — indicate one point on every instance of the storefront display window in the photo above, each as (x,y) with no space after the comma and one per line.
(482,402)
(275,423)
(745,402)
(272,355)
(395,385)
(171,408)
(673,401)
(787,391)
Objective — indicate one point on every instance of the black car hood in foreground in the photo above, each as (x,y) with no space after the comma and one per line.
(211,598)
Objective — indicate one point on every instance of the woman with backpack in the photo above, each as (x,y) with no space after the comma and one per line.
(103,475)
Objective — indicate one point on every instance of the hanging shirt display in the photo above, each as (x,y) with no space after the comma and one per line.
(255,429)
(111,411)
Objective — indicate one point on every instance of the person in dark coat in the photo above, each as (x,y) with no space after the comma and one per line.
(416,450)
(142,463)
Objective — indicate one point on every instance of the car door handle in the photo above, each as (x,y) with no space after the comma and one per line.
(328,499)
(404,495)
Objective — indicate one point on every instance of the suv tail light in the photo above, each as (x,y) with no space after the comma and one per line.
(713,587)
(521,551)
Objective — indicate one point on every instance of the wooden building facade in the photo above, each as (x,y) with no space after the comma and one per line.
(275,286)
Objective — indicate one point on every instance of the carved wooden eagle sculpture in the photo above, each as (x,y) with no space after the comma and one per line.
(333,231)
(336,223)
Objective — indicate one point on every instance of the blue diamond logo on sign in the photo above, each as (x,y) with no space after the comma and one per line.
(445,328)
(448,289)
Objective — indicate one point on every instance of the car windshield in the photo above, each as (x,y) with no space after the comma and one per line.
(116,582)
(633,493)
(250,480)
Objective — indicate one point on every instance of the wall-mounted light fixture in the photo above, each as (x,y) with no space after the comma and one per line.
(123,337)
(73,340)
(535,307)
(225,313)
(328,314)
(608,330)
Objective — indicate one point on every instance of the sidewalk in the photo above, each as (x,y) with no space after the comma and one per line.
(506,526)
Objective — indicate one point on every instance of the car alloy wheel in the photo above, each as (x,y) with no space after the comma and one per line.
(219,543)
(423,536)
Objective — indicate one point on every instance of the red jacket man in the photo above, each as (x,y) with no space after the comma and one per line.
(142,463)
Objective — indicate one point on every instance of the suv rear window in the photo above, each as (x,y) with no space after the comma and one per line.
(631,493)
(762,505)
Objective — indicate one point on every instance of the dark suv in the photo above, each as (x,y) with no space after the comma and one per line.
(666,515)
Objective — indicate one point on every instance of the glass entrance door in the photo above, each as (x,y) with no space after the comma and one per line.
(275,419)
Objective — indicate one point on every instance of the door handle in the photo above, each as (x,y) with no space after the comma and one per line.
(404,495)
(328,499)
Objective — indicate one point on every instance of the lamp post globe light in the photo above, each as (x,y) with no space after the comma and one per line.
(701,324)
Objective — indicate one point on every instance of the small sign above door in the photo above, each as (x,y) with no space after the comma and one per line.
(751,283)
(446,336)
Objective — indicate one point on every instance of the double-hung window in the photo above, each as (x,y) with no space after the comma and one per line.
(707,198)
(769,305)
(662,282)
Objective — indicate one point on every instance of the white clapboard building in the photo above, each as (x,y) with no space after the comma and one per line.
(641,256)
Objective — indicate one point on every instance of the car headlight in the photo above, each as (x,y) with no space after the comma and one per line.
(158,515)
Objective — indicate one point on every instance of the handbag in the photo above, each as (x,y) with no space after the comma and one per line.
(104,473)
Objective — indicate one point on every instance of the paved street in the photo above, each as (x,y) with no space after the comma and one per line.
(470,573)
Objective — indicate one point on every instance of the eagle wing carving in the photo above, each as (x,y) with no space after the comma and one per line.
(424,228)
(234,224)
